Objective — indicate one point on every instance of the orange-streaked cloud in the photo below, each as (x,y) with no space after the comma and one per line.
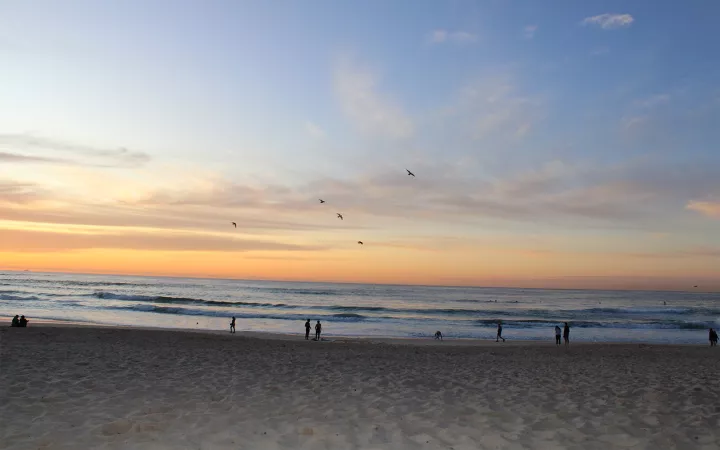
(710,209)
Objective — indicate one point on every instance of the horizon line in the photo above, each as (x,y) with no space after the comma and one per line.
(51,272)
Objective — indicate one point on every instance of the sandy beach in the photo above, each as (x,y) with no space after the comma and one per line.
(83,387)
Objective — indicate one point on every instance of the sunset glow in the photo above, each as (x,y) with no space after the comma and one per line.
(550,150)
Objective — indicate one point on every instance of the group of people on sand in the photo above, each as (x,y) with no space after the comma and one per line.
(318,330)
(565,334)
(19,321)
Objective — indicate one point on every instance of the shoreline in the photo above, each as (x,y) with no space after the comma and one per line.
(337,339)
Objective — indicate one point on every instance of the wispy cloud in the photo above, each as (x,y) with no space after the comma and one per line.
(641,195)
(633,122)
(20,158)
(18,192)
(706,208)
(609,21)
(599,51)
(494,106)
(46,240)
(356,90)
(643,111)
(36,149)
(314,130)
(652,101)
(529,31)
(452,37)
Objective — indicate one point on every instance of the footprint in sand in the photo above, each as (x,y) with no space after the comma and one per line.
(118,427)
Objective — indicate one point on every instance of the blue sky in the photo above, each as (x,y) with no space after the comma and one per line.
(558,118)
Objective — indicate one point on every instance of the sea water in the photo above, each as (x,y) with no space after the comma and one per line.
(361,309)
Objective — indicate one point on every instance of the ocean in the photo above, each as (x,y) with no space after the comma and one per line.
(359,309)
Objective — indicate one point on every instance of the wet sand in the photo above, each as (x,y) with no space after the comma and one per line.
(68,387)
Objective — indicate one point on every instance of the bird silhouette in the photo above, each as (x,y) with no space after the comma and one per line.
(340,216)
(360,242)
(321,200)
(234,224)
(410,173)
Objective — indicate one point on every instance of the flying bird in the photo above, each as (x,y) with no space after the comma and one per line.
(360,242)
(321,200)
(410,173)
(340,216)
(234,224)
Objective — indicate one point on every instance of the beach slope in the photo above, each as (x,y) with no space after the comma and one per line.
(70,388)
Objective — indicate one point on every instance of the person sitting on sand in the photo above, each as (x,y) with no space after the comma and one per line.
(232,325)
(438,335)
(23,321)
(713,338)
(566,334)
(307,330)
(15,321)
(499,333)
(557,335)
(318,330)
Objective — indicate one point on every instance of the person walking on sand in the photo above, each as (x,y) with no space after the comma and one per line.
(499,333)
(232,325)
(566,334)
(318,330)
(307,330)
(713,338)
(557,335)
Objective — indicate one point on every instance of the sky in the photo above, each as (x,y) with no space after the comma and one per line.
(555,144)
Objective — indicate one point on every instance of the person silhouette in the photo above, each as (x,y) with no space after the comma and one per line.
(713,336)
(566,334)
(23,321)
(15,321)
(232,325)
(558,332)
(318,330)
(499,333)
(307,330)
(438,335)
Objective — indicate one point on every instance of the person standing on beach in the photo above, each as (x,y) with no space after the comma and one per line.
(232,325)
(566,334)
(713,338)
(307,330)
(557,335)
(318,330)
(499,333)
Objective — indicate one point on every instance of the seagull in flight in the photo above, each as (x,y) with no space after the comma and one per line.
(321,200)
(234,224)
(340,216)
(410,173)
(360,242)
